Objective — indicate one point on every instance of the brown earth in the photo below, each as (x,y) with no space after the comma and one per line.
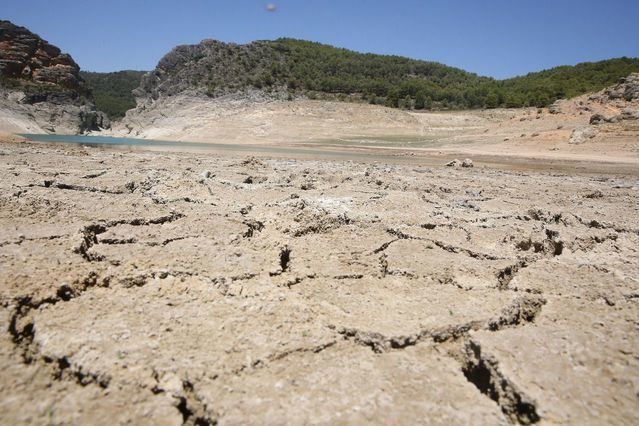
(184,288)
(561,132)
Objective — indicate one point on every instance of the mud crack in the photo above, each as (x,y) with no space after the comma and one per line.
(457,250)
(254,226)
(90,232)
(447,247)
(81,188)
(193,410)
(506,275)
(550,247)
(522,310)
(284,261)
(483,371)
(22,239)
(62,369)
(384,246)
(94,175)
(285,258)
(315,349)
(22,331)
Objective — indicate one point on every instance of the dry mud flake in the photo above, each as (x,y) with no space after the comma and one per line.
(572,366)
(346,384)
(138,289)
(47,393)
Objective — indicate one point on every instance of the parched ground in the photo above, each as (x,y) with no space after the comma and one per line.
(154,288)
(523,133)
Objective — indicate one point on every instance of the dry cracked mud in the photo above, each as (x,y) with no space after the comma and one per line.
(154,288)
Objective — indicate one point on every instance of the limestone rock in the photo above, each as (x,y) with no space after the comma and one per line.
(467,163)
(24,55)
(629,114)
(42,90)
(626,89)
(555,107)
(582,134)
(597,119)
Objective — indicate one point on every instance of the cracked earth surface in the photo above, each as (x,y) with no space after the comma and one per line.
(154,288)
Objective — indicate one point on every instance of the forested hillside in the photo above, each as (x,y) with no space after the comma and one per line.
(112,91)
(542,88)
(302,68)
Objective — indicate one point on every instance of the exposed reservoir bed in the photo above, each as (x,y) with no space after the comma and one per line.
(329,150)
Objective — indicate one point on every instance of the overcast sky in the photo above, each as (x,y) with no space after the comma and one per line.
(498,38)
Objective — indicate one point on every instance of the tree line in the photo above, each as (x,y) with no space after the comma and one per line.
(319,71)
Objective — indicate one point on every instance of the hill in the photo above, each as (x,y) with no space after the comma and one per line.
(41,88)
(564,82)
(112,91)
(302,68)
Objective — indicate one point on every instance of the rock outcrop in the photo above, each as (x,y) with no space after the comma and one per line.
(610,113)
(24,55)
(41,89)
(616,104)
(582,134)
(626,90)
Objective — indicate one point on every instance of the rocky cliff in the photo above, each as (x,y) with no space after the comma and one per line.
(41,89)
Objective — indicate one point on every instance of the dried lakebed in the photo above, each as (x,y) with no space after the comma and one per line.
(177,288)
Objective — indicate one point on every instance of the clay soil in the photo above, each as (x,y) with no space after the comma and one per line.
(183,288)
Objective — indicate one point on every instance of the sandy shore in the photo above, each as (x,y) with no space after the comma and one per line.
(527,132)
(190,288)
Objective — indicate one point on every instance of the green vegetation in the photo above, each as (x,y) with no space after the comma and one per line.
(390,80)
(112,91)
(324,72)
(543,88)
(320,71)
(398,81)
(39,92)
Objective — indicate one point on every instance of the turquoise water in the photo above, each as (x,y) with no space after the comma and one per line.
(386,141)
(113,141)
(155,145)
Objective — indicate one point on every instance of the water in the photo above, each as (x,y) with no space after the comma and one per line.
(340,150)
(329,152)
(95,140)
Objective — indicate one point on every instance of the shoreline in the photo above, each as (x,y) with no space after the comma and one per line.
(370,154)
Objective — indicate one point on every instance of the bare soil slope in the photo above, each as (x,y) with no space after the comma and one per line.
(563,131)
